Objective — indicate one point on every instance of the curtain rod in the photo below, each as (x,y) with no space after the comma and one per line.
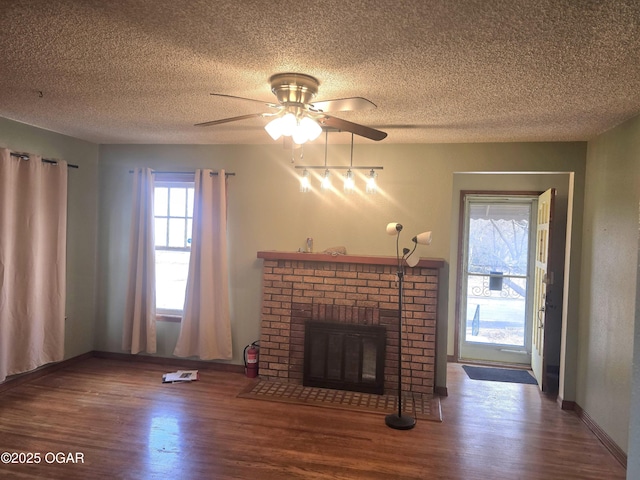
(215,174)
(24,156)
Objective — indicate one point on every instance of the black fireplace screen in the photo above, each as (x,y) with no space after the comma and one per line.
(344,356)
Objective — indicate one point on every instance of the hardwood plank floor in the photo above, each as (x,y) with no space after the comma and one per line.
(123,423)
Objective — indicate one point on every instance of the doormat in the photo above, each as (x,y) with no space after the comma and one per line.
(491,374)
(419,406)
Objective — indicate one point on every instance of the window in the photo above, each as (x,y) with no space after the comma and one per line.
(173,213)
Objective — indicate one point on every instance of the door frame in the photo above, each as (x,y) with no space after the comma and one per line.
(461,242)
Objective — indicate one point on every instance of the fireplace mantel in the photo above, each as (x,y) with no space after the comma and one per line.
(355,259)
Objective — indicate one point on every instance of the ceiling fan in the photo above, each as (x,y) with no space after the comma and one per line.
(296,114)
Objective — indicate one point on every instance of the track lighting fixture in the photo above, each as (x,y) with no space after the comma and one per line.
(349,185)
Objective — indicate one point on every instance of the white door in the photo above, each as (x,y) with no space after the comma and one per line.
(542,281)
(495,313)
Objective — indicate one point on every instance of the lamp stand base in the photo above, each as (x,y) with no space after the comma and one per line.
(404,422)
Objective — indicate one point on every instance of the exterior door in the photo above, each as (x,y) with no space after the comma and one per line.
(496,285)
(543,281)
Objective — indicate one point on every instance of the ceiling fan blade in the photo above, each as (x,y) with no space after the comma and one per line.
(345,126)
(271,105)
(342,105)
(230,119)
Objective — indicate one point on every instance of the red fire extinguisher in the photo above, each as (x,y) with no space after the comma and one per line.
(251,359)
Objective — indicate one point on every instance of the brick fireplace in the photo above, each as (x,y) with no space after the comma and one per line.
(361,290)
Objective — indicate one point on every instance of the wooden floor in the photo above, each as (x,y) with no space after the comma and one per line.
(122,422)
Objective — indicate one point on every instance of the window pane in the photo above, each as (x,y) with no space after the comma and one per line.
(190,202)
(160,232)
(172,269)
(160,201)
(189,232)
(176,232)
(178,202)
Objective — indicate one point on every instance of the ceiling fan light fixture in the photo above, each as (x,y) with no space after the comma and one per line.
(274,128)
(306,129)
(288,124)
(299,136)
(295,93)
(310,127)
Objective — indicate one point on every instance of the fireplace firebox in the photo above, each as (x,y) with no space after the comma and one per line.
(344,356)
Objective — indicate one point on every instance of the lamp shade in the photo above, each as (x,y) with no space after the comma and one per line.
(393,228)
(423,238)
(412,260)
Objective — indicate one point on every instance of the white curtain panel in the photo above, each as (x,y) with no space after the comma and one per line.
(33,237)
(139,329)
(205,330)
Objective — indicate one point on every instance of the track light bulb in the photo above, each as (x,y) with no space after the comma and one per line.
(349,182)
(325,184)
(372,187)
(305,184)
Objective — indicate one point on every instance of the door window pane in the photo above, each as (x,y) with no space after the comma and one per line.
(496,317)
(499,238)
(496,273)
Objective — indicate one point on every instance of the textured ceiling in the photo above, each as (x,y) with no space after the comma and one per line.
(140,71)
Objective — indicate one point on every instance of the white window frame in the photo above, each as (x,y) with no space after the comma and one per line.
(173,181)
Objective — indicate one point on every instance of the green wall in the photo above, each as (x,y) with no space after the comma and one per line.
(609,279)
(267,212)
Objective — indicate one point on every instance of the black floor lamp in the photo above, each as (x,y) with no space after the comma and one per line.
(399,421)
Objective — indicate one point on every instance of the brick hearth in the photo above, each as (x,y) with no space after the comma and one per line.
(352,289)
